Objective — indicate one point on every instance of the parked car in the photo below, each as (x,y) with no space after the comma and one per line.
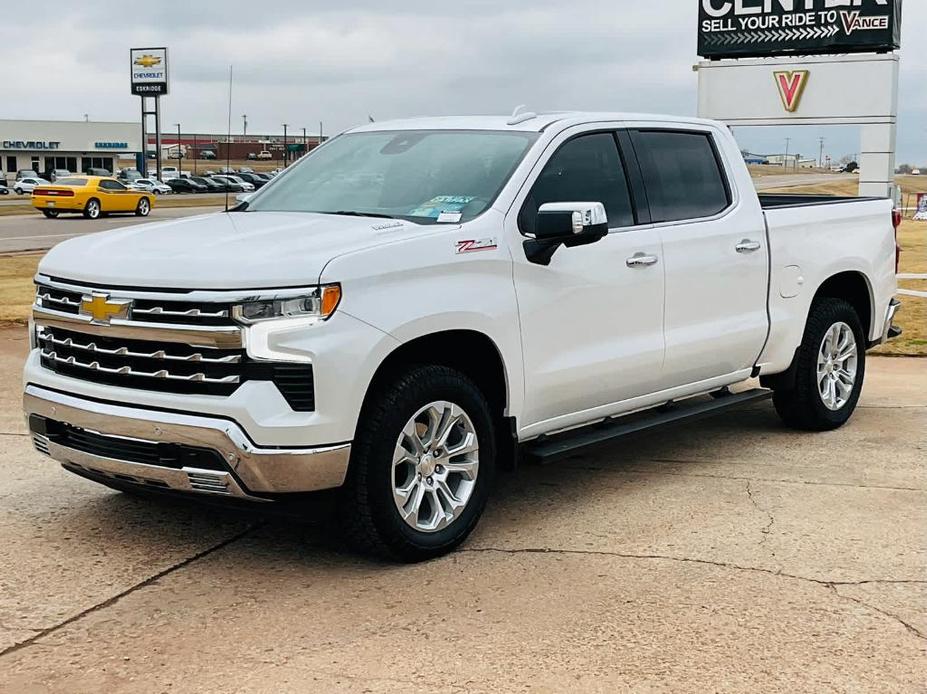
(550,276)
(264,154)
(26,185)
(152,185)
(211,185)
(226,185)
(209,172)
(92,196)
(254,180)
(245,169)
(91,171)
(226,170)
(252,155)
(169,172)
(54,174)
(185,185)
(207,154)
(26,173)
(128,175)
(4,190)
(246,186)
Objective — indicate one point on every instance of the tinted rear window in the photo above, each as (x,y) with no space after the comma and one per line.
(682,174)
(71,182)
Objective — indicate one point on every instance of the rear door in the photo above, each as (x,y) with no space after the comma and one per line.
(715,255)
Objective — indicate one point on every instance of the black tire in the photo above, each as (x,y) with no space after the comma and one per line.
(143,208)
(51,214)
(93,210)
(368,516)
(802,406)
(18,191)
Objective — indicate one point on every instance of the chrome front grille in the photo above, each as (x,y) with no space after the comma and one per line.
(140,364)
(167,341)
(149,310)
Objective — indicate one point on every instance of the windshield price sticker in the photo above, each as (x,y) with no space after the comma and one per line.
(443,204)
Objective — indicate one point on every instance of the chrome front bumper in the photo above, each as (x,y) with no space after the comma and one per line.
(252,471)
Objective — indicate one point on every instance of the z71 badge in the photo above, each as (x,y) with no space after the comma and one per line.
(473,245)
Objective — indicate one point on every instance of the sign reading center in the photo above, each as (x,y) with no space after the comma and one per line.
(757,28)
(148,70)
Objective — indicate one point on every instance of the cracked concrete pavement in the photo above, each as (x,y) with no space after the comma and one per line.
(726,555)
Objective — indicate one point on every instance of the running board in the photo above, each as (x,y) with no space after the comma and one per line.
(549,448)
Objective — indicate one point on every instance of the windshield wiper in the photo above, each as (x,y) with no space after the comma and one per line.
(353,213)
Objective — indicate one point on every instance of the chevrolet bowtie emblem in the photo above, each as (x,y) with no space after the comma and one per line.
(102,309)
(148,60)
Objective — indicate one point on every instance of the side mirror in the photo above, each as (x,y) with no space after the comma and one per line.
(565,224)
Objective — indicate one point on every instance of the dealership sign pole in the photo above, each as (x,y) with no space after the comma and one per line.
(149,78)
(806,62)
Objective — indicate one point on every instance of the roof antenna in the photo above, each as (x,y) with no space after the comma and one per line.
(519,115)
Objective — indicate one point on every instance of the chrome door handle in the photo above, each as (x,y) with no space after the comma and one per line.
(641,260)
(747,246)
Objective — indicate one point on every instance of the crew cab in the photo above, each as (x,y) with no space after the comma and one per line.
(417,303)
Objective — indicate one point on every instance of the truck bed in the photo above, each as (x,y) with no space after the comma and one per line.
(771,201)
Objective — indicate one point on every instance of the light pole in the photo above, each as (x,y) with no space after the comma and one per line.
(179,153)
(305,146)
(785,164)
(244,129)
(285,157)
(821,155)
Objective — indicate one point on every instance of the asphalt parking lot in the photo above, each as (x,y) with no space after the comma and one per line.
(30,232)
(726,555)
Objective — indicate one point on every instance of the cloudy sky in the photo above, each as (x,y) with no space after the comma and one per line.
(303,61)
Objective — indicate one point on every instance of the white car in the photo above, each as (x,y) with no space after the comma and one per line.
(169,172)
(424,301)
(246,186)
(27,185)
(152,185)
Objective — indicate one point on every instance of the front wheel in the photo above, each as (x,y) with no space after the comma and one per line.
(51,214)
(93,210)
(831,365)
(144,207)
(421,466)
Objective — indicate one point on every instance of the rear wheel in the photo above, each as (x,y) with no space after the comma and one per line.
(51,214)
(92,210)
(831,365)
(143,208)
(421,466)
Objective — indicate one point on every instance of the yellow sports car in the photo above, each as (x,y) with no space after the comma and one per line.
(92,196)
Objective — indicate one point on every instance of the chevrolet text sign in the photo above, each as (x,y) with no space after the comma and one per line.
(148,70)
(763,28)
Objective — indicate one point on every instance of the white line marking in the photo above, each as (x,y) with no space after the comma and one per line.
(912,292)
(912,276)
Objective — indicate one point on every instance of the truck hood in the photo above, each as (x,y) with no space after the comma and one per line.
(237,250)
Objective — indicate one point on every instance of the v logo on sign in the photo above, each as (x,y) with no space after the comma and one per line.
(791,86)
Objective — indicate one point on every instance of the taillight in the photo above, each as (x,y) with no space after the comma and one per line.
(897,218)
(58,193)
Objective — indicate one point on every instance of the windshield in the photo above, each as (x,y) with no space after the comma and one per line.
(425,176)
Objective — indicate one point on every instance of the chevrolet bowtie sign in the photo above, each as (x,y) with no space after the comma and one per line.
(148,71)
(764,28)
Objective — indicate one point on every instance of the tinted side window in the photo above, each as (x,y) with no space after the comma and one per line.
(112,185)
(682,175)
(585,169)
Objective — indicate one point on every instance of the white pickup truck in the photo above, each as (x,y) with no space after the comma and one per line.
(418,303)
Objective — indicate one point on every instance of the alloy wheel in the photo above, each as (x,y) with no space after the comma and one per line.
(435,466)
(836,366)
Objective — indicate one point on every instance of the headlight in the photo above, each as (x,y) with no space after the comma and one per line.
(319,302)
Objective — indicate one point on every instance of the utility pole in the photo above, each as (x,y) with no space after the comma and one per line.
(305,148)
(785,163)
(285,157)
(320,132)
(244,129)
(821,154)
(179,154)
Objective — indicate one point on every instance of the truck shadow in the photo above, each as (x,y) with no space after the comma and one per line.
(523,502)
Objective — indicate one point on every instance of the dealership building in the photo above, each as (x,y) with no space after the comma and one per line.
(42,145)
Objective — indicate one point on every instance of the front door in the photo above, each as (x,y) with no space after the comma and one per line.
(115,197)
(592,320)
